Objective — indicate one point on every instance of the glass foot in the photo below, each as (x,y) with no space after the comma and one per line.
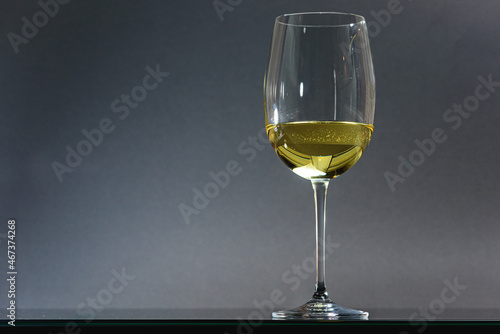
(320,310)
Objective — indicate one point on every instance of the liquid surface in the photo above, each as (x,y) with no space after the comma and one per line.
(319,150)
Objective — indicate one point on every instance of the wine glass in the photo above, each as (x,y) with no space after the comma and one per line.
(319,100)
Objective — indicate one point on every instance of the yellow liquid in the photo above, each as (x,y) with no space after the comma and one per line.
(319,150)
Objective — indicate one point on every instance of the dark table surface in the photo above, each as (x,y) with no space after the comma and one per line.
(249,321)
(237,314)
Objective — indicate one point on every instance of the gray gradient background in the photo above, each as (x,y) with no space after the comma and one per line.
(119,207)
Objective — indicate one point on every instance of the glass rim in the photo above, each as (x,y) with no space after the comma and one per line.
(358,19)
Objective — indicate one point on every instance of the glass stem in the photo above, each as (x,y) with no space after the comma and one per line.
(320,187)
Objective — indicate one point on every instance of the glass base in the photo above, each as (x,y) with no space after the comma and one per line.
(317,309)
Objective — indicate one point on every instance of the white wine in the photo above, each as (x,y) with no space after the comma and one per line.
(319,149)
